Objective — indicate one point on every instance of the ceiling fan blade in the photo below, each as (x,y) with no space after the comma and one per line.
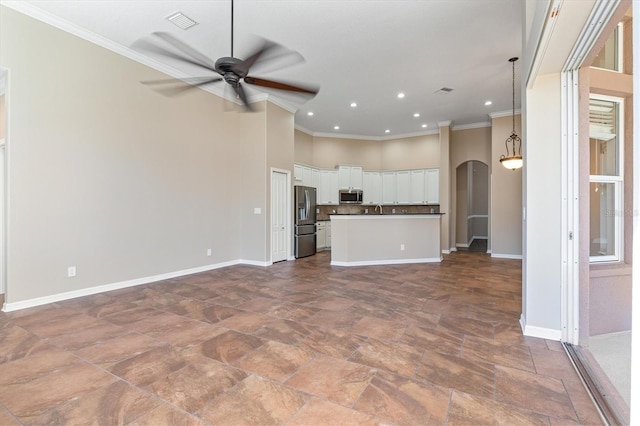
(150,46)
(244,66)
(180,86)
(279,85)
(189,80)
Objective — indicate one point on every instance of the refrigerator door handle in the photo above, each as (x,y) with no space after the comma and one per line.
(307,202)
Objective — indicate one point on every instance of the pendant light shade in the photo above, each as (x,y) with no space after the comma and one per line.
(513,159)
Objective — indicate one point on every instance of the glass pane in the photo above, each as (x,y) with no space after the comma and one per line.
(608,58)
(602,217)
(603,139)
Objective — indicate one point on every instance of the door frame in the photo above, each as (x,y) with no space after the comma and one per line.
(288,209)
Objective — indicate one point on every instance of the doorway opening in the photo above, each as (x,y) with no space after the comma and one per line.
(472,206)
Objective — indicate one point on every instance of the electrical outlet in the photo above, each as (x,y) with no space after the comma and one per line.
(401,247)
(208,252)
(257,210)
(71,271)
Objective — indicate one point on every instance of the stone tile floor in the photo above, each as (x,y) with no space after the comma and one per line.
(296,343)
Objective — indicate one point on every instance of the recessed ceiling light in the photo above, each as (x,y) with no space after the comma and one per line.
(310,113)
(353,104)
(488,103)
(336,127)
(387,131)
(416,115)
(424,125)
(181,20)
(400,95)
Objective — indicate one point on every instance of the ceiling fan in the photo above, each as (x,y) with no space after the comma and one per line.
(232,70)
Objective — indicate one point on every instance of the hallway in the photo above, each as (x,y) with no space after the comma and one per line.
(299,342)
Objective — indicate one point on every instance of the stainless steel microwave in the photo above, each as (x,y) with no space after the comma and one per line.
(350,196)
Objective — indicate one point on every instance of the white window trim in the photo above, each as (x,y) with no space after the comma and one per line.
(619,50)
(618,182)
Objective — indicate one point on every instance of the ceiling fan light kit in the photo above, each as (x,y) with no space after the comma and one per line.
(513,159)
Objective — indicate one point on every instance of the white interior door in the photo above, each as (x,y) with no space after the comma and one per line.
(279,217)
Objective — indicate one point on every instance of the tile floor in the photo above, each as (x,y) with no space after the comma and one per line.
(297,343)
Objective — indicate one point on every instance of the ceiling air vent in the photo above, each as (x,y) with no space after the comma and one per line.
(181,20)
(443,91)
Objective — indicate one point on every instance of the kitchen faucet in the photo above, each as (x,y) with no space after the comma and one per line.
(376,209)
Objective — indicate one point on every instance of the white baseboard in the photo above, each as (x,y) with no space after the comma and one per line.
(453,249)
(38,301)
(540,332)
(462,245)
(506,256)
(386,262)
(446,252)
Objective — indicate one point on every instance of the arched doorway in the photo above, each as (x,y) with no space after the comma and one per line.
(472,206)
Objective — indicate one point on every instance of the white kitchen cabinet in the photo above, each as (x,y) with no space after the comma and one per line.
(306,176)
(418,193)
(297,174)
(329,186)
(389,188)
(403,187)
(350,177)
(371,188)
(432,184)
(315,178)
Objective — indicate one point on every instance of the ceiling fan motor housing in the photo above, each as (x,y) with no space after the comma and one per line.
(229,69)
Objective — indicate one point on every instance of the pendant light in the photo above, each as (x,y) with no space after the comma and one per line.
(513,159)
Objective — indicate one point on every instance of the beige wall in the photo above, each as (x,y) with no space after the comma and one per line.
(420,152)
(506,194)
(329,152)
(462,210)
(303,148)
(109,176)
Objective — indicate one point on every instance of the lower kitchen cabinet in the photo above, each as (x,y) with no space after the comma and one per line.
(323,235)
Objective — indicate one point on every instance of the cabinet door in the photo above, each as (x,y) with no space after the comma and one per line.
(403,182)
(315,178)
(371,187)
(297,174)
(306,176)
(344,177)
(418,195)
(355,177)
(321,232)
(389,187)
(323,191)
(334,187)
(433,186)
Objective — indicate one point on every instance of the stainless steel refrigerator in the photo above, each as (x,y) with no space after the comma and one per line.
(305,221)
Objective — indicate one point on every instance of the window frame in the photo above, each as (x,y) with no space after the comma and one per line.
(617,181)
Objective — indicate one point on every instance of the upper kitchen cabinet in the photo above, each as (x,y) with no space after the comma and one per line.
(403,187)
(418,191)
(388,187)
(432,186)
(329,187)
(350,177)
(304,175)
(371,188)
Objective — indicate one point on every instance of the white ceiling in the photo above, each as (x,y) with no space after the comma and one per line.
(363,51)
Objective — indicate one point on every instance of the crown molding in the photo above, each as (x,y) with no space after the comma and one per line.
(445,123)
(471,126)
(499,114)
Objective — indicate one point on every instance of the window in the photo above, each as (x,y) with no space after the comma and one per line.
(610,57)
(606,178)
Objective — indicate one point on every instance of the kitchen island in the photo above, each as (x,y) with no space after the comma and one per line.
(385,239)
